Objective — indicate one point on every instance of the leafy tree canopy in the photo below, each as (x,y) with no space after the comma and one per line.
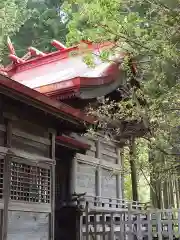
(13,13)
(149,31)
(47,22)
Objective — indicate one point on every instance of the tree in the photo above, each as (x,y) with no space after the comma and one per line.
(148,31)
(46,23)
(13,14)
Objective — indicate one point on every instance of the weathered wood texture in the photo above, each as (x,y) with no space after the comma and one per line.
(129,224)
(85,181)
(26,225)
(26,160)
(99,171)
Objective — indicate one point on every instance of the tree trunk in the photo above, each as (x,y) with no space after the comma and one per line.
(133,170)
(155,185)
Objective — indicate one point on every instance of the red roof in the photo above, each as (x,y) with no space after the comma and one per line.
(64,72)
(52,105)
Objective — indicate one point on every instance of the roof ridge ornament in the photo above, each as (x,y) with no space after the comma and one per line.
(34,51)
(16,59)
(10,46)
(58,45)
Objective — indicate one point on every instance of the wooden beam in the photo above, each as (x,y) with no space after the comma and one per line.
(6,191)
(98,169)
(122,172)
(118,177)
(53,181)
(71,143)
(73,176)
(96,161)
(29,156)
(29,207)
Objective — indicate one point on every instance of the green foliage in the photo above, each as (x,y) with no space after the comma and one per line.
(148,30)
(46,23)
(13,14)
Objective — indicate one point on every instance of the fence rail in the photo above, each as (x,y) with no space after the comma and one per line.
(130,224)
(95,202)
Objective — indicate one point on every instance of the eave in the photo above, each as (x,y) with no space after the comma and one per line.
(31,97)
(72,87)
(72,143)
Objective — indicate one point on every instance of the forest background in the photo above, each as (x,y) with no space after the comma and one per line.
(149,31)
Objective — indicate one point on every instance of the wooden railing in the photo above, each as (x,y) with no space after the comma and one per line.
(111,203)
(129,224)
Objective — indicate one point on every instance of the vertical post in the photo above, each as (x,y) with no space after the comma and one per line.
(130,223)
(133,170)
(98,170)
(119,178)
(80,228)
(122,173)
(139,226)
(53,181)
(122,224)
(112,226)
(104,226)
(170,225)
(159,225)
(149,225)
(87,221)
(95,226)
(6,191)
(72,177)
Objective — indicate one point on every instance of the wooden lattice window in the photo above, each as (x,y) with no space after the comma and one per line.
(1,177)
(30,183)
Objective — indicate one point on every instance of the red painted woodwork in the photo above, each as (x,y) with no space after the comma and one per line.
(41,98)
(62,74)
(72,142)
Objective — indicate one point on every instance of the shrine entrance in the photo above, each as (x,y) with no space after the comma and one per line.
(65,212)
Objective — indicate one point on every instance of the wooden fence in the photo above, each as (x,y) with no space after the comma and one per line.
(96,202)
(129,224)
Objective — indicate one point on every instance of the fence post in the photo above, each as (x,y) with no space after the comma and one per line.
(112,227)
(87,221)
(95,226)
(130,231)
(159,225)
(103,226)
(149,223)
(138,224)
(122,224)
(81,227)
(170,229)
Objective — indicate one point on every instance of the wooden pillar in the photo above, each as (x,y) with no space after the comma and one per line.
(133,170)
(98,170)
(6,191)
(120,175)
(53,177)
(72,176)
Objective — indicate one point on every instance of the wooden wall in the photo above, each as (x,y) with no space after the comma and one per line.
(29,225)
(98,172)
(26,179)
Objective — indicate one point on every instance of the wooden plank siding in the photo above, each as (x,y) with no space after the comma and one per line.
(99,170)
(27,161)
(28,225)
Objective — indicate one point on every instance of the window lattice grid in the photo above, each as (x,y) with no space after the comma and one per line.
(30,183)
(1,177)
